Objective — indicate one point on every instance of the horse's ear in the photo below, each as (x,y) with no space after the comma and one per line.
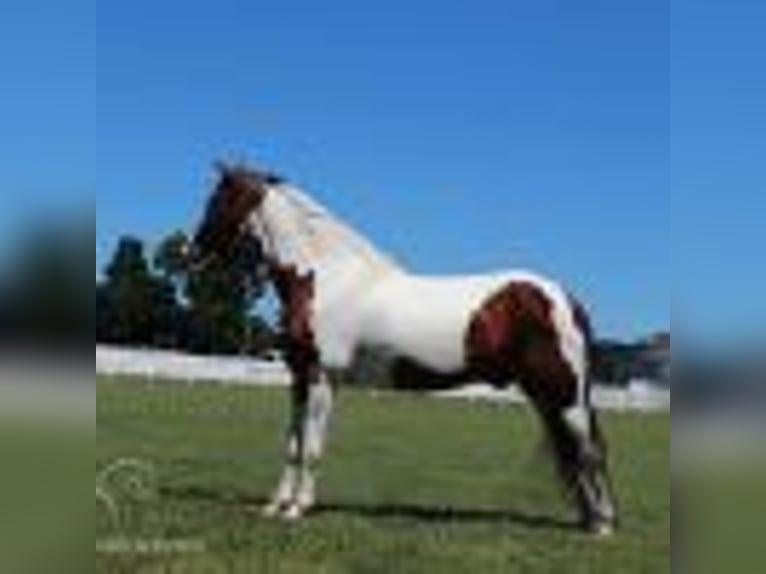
(221,167)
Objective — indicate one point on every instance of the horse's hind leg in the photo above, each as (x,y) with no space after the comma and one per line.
(537,335)
(562,399)
(580,452)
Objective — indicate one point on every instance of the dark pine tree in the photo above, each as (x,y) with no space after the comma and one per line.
(217,299)
(139,307)
(45,299)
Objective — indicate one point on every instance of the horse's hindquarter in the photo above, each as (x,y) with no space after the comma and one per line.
(426,319)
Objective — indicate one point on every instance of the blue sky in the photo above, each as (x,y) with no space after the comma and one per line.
(460,136)
(47,103)
(718,172)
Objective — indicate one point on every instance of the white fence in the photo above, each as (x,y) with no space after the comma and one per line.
(183,367)
(640,396)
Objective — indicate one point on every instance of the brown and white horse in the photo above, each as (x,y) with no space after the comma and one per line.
(339,294)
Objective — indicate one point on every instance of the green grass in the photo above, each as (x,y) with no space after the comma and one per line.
(409,484)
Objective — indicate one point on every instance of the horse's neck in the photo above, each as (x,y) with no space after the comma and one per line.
(304,236)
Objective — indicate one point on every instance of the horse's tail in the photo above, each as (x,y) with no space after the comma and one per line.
(599,456)
(585,326)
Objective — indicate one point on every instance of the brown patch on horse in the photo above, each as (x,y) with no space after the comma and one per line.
(296,294)
(513,336)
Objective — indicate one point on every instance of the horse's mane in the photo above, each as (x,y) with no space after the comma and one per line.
(324,225)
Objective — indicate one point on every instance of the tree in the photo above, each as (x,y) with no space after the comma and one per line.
(170,258)
(44,297)
(260,337)
(102,313)
(217,298)
(170,304)
(217,310)
(139,308)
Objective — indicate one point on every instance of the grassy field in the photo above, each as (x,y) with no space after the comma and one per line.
(409,484)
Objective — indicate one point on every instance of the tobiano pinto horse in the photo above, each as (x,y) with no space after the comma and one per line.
(339,294)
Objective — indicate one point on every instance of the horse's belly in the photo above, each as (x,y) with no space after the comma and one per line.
(433,341)
(426,320)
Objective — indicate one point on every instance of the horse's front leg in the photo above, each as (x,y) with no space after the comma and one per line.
(312,400)
(285,491)
(313,433)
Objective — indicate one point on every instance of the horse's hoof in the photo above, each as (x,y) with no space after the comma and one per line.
(602,530)
(272,509)
(292,513)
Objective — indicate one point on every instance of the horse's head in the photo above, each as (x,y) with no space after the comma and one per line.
(239,192)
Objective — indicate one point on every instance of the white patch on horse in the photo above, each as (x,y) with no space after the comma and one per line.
(573,347)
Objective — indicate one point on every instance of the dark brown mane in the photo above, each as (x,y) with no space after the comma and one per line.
(240,174)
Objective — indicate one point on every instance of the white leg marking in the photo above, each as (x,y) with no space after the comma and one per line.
(319,410)
(287,483)
(320,403)
(578,419)
(297,489)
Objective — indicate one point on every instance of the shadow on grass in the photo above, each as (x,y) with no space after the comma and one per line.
(415,512)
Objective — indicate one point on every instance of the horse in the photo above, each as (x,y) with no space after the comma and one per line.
(338,295)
